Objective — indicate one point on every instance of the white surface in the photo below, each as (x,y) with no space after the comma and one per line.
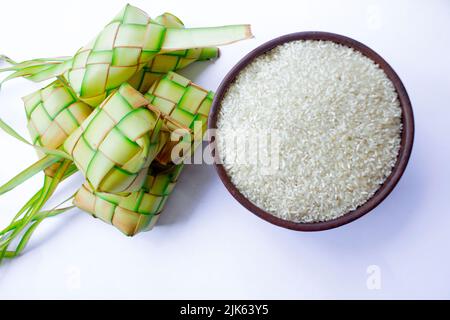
(207,245)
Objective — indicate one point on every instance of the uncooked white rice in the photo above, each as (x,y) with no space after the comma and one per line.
(339,119)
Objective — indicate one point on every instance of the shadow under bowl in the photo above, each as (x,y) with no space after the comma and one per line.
(406,144)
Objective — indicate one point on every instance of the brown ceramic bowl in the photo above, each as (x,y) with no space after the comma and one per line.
(406,140)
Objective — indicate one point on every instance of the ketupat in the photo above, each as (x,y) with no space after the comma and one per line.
(134,212)
(53,113)
(115,145)
(182,104)
(125,46)
(143,79)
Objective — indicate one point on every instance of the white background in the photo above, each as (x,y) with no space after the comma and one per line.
(206,245)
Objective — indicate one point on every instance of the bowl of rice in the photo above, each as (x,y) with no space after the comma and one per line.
(311,130)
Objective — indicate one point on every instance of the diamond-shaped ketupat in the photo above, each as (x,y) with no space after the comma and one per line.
(132,212)
(115,145)
(131,48)
(182,104)
(124,47)
(53,113)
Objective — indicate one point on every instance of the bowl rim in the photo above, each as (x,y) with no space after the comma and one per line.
(407,137)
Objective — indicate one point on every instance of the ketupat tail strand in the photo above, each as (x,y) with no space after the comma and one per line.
(171,61)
